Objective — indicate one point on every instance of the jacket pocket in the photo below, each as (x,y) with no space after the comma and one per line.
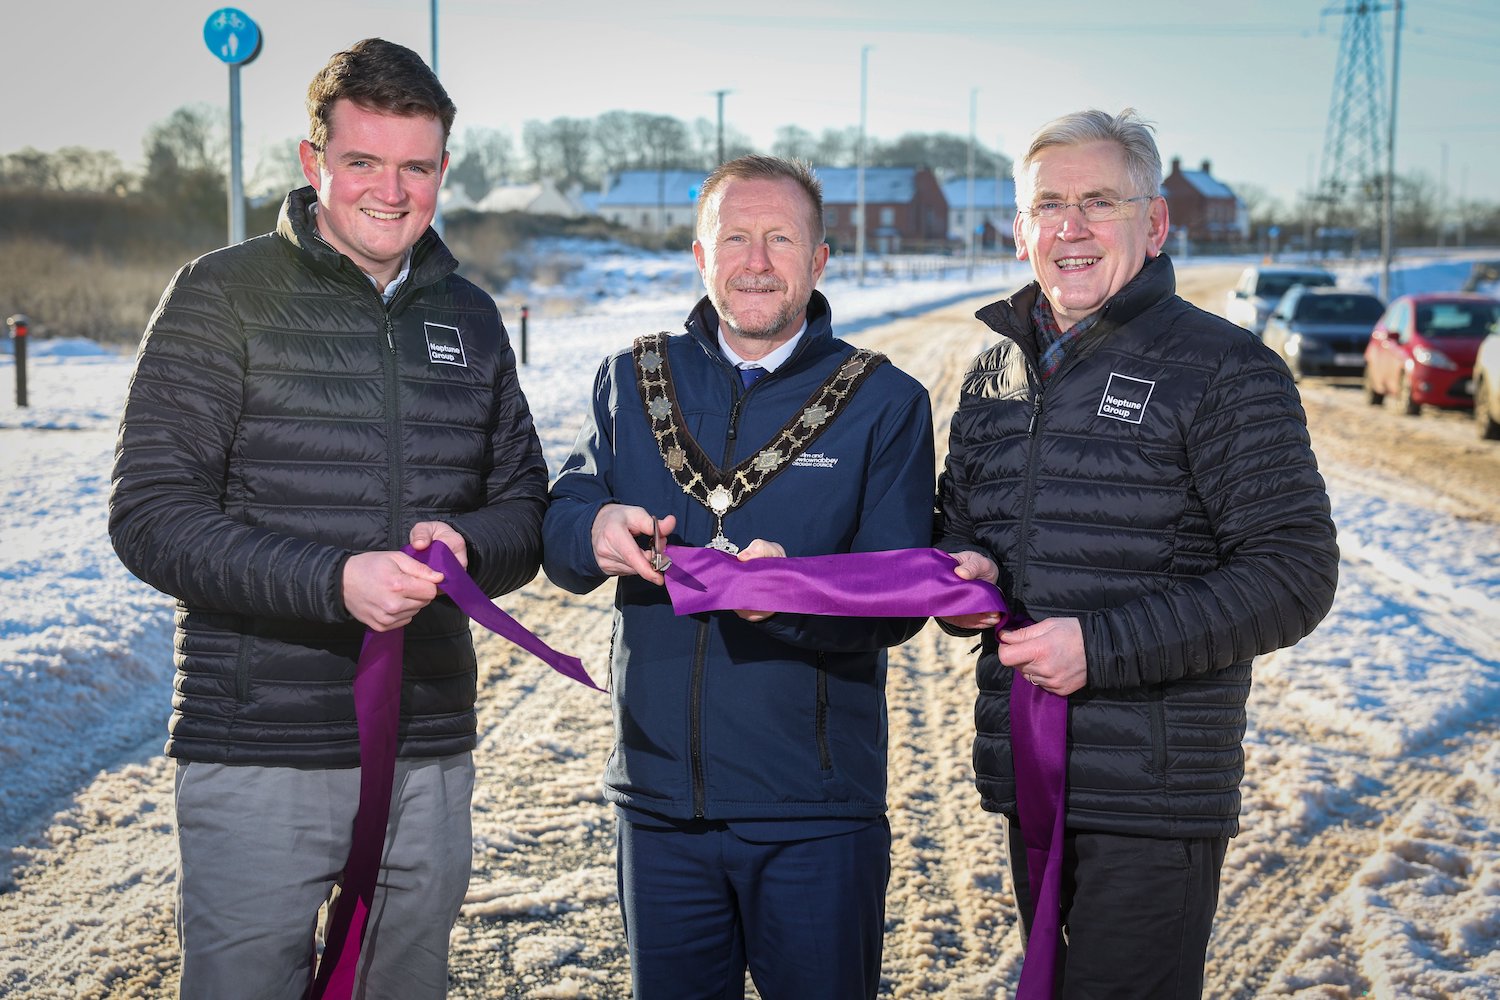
(242,666)
(820,716)
(1158,715)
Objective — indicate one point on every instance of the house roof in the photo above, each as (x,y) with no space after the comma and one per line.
(1207,185)
(510,198)
(986,190)
(670,188)
(679,188)
(892,185)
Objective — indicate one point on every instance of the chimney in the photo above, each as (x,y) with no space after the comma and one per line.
(1205,167)
(1176,164)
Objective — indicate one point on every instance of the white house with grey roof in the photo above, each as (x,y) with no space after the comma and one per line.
(651,201)
(994,209)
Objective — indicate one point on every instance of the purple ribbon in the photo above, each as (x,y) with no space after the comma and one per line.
(377,707)
(916,583)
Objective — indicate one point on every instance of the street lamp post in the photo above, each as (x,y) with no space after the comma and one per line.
(720,95)
(969,219)
(859,183)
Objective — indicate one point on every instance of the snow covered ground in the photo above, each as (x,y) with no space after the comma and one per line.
(1406,668)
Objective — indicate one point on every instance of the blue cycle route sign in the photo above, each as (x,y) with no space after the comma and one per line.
(231,36)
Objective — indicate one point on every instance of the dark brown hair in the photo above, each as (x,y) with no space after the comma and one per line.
(379,76)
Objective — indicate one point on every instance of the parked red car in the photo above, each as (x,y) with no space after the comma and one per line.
(1422,350)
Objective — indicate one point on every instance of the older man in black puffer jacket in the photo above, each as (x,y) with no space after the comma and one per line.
(1136,476)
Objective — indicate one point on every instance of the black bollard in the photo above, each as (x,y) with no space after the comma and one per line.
(20,326)
(525,313)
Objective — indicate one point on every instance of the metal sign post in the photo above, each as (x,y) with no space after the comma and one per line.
(234,39)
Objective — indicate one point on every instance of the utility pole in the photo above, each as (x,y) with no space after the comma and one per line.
(1388,232)
(1442,213)
(859,181)
(969,217)
(1463,194)
(720,95)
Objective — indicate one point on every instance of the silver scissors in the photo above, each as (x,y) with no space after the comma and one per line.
(659,560)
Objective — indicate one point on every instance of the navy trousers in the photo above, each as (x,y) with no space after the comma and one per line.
(702,903)
(1137,913)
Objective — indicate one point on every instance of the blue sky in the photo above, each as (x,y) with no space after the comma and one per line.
(1246,86)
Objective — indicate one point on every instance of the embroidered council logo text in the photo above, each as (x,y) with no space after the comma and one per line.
(817,461)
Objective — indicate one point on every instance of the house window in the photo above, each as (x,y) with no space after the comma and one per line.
(888,216)
(830,217)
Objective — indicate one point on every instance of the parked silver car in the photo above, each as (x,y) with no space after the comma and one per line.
(1323,331)
(1260,287)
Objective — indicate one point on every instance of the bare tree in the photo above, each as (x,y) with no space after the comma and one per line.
(665,140)
(484,160)
(615,138)
(572,138)
(277,170)
(838,147)
(536,142)
(945,153)
(187,158)
(76,168)
(195,137)
(794,143)
(28,168)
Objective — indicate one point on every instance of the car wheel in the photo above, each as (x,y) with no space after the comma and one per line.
(1409,406)
(1484,416)
(1371,396)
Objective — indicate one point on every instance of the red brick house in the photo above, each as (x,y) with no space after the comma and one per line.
(1205,206)
(904,208)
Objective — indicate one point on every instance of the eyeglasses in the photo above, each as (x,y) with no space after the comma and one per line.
(1052,213)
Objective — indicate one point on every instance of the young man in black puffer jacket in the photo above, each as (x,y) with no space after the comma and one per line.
(304,404)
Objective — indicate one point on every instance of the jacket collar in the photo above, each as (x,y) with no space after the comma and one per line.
(703,325)
(431,260)
(1156,281)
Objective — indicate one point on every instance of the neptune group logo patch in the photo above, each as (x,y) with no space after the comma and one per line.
(444,345)
(1125,398)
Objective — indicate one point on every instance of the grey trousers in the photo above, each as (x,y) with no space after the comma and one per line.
(260,849)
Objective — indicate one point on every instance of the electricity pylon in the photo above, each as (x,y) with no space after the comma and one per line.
(1352,180)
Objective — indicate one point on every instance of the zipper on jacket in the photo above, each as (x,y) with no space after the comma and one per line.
(1030,491)
(695,717)
(820,725)
(734,421)
(393,431)
(700,654)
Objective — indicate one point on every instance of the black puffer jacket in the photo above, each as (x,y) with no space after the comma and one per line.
(281,418)
(1163,490)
